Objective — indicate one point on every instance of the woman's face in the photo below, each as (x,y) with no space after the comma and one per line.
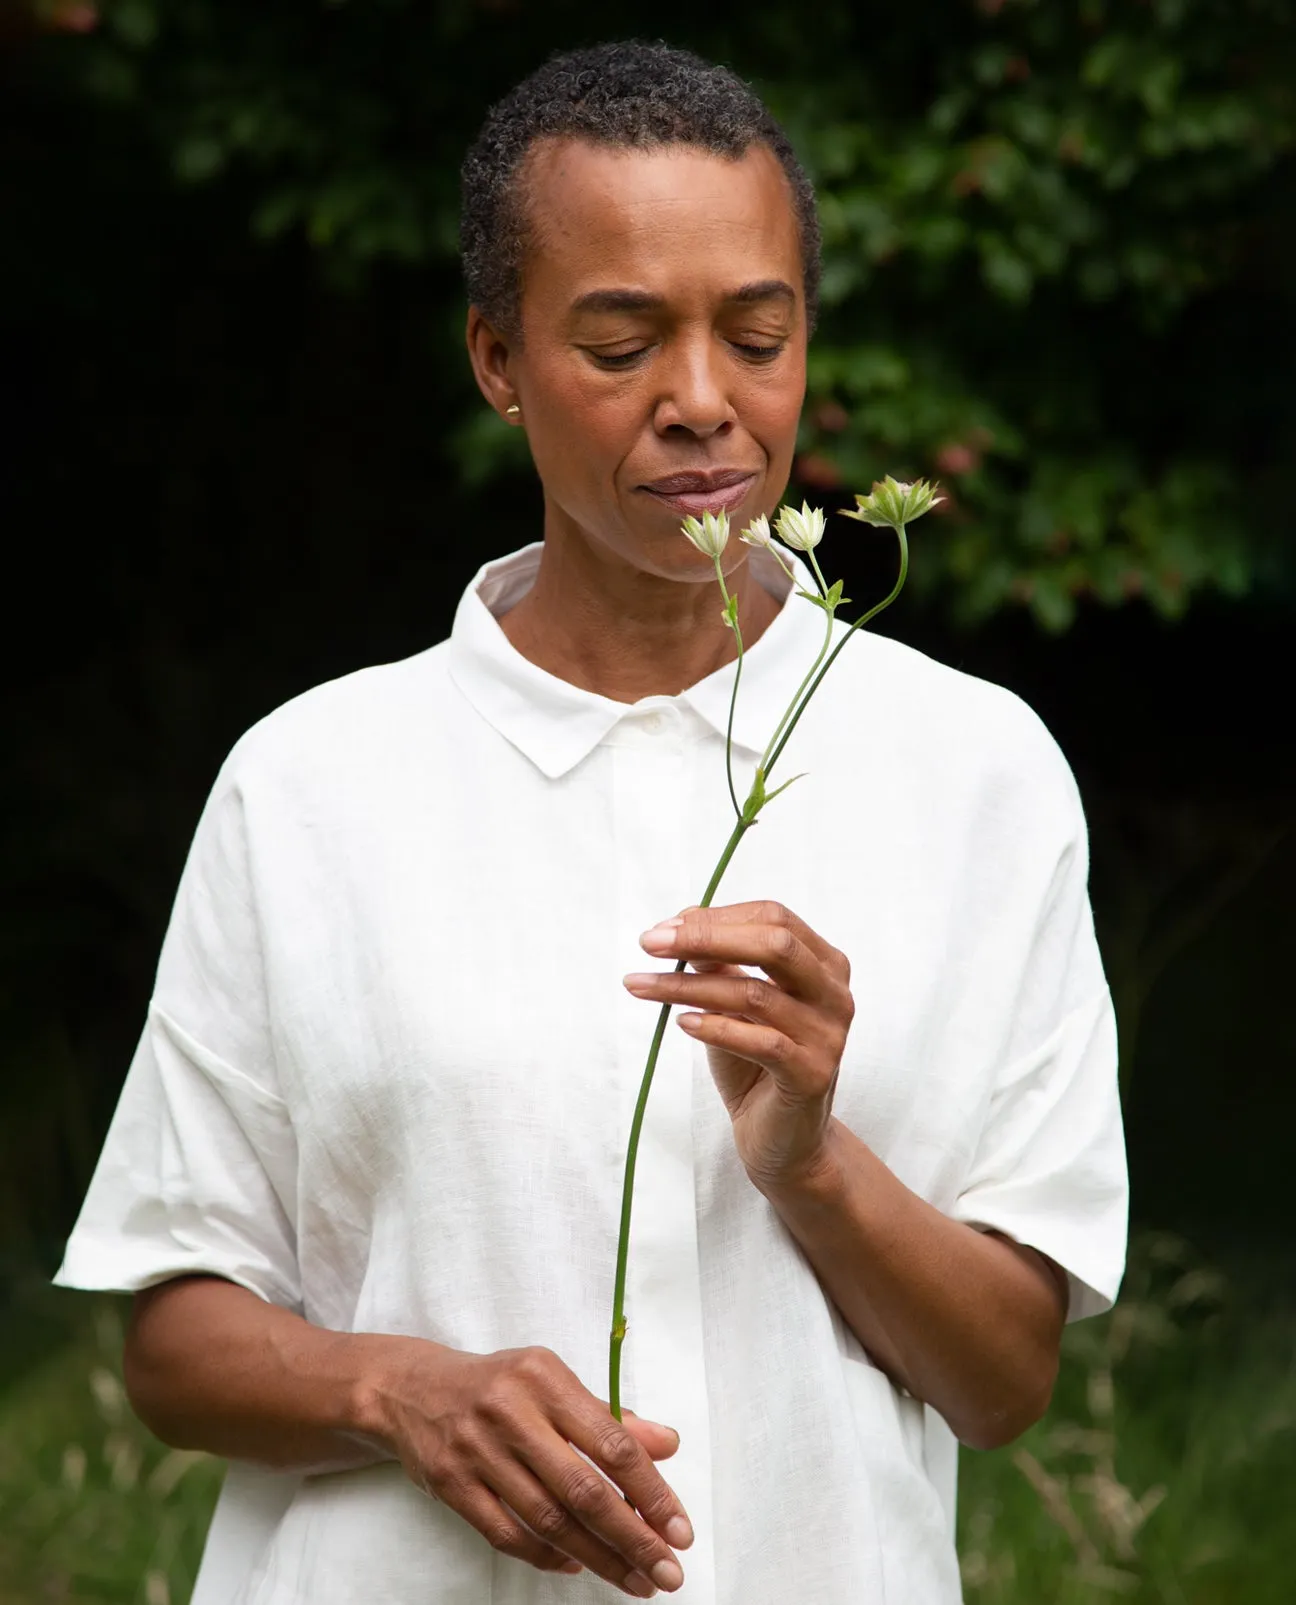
(661,369)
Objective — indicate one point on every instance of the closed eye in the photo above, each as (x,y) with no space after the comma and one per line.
(618,359)
(626,359)
(755,353)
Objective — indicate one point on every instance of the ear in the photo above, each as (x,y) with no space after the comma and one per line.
(490,353)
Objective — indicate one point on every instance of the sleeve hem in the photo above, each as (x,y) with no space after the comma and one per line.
(99,1267)
(1092,1284)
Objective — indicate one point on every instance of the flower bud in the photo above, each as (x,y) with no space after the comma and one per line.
(893,503)
(757,533)
(802,531)
(710,534)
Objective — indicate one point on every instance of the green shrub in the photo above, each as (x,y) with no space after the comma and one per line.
(1166,1468)
(93,1510)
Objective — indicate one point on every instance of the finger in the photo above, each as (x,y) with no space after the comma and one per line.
(776,949)
(500,1527)
(615,1449)
(743,996)
(765,911)
(555,1525)
(660,1442)
(791,1065)
(584,1515)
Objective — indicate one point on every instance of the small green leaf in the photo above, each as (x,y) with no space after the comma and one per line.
(786,784)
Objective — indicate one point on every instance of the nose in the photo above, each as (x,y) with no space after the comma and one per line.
(694,398)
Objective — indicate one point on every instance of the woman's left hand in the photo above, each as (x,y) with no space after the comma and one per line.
(774,1043)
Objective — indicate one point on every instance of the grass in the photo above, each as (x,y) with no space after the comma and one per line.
(1165,1473)
(93,1510)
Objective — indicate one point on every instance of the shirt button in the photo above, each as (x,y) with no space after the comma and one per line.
(654,722)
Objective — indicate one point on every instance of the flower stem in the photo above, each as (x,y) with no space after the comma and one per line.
(776,551)
(632,1150)
(793,706)
(733,702)
(858,625)
(732,614)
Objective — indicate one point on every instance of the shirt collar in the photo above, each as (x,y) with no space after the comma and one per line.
(556,724)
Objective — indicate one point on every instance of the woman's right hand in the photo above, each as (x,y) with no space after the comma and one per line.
(496,1438)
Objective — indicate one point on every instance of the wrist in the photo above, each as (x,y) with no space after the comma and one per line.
(815,1181)
(377,1368)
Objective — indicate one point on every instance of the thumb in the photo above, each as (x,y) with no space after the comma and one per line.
(660,1442)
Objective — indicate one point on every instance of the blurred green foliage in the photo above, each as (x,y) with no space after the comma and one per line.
(93,1510)
(1162,1474)
(1059,238)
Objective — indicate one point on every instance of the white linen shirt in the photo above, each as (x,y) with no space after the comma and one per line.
(389,1068)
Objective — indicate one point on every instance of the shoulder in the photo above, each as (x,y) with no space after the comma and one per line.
(908,690)
(358,724)
(951,733)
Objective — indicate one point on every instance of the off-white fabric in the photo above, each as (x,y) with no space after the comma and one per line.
(389,1069)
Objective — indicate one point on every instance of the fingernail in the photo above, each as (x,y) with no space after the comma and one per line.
(667,1574)
(661,936)
(640,983)
(639,1585)
(679,1535)
(571,1567)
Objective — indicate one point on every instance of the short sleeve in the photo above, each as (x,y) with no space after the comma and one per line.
(1049,1169)
(198,1172)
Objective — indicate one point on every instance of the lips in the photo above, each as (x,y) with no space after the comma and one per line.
(714,491)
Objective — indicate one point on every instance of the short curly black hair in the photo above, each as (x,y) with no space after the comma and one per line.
(627,95)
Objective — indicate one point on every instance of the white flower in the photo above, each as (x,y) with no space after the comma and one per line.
(757,533)
(893,502)
(801,531)
(710,534)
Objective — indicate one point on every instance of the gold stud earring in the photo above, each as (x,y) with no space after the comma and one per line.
(511,412)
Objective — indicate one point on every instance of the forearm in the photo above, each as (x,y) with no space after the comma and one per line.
(966,1321)
(209,1365)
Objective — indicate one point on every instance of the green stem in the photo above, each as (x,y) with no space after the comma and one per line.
(858,625)
(818,572)
(776,551)
(791,708)
(733,702)
(733,695)
(632,1151)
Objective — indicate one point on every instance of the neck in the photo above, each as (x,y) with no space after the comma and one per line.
(598,622)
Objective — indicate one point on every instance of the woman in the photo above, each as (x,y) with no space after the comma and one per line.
(364,1175)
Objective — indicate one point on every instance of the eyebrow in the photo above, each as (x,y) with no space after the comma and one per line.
(642,301)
